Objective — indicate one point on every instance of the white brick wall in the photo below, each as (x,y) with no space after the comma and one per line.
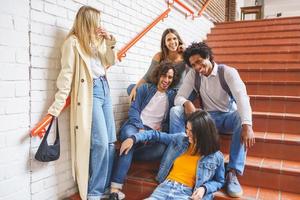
(28,85)
(14,100)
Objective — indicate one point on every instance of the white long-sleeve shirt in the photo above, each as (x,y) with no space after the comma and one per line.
(214,98)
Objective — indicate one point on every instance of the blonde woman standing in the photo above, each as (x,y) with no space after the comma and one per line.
(86,55)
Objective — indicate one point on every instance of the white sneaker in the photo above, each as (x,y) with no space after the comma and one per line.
(117,195)
(121,195)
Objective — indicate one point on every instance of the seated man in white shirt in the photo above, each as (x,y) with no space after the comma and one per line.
(223,94)
(149,110)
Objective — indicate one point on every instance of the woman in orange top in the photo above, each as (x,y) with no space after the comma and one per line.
(192,167)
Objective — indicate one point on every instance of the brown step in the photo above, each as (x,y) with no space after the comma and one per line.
(255,29)
(258,193)
(270,74)
(272,173)
(270,145)
(263,22)
(73,197)
(276,122)
(259,57)
(254,49)
(283,104)
(257,35)
(140,181)
(261,65)
(279,88)
(137,189)
(255,42)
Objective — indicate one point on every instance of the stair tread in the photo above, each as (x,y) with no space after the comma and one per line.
(255,193)
(259,53)
(259,21)
(277,115)
(228,37)
(270,97)
(254,42)
(280,138)
(254,29)
(271,165)
(275,82)
(259,35)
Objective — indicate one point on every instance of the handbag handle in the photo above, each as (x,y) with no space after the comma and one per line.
(49,128)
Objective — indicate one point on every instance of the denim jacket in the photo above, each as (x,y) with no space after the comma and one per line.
(210,169)
(143,96)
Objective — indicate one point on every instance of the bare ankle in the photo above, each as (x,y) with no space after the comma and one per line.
(112,190)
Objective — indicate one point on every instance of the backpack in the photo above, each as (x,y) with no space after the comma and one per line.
(224,85)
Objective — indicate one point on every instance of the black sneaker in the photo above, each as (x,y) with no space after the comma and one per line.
(114,196)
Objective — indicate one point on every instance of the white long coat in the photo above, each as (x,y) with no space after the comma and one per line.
(75,79)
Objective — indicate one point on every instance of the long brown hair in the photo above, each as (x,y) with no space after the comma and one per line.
(163,47)
(85,24)
(205,133)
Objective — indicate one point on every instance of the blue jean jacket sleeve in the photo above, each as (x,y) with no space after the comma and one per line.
(219,178)
(135,109)
(156,136)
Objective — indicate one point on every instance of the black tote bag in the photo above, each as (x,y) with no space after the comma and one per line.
(46,152)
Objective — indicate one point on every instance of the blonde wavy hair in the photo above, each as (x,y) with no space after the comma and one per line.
(84,27)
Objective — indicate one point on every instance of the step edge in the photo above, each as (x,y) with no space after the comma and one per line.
(260,20)
(277,97)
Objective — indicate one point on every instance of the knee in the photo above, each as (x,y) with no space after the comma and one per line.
(176,112)
(127,131)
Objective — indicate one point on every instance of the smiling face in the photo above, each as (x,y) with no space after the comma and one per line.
(189,132)
(171,42)
(201,65)
(165,80)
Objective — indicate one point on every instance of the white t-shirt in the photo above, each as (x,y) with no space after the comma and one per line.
(97,68)
(153,114)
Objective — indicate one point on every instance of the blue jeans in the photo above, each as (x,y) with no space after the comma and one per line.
(141,152)
(225,122)
(102,140)
(169,190)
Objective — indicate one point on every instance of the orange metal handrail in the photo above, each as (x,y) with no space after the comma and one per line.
(184,6)
(122,52)
(40,128)
(203,8)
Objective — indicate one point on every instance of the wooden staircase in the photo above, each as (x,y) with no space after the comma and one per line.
(267,55)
